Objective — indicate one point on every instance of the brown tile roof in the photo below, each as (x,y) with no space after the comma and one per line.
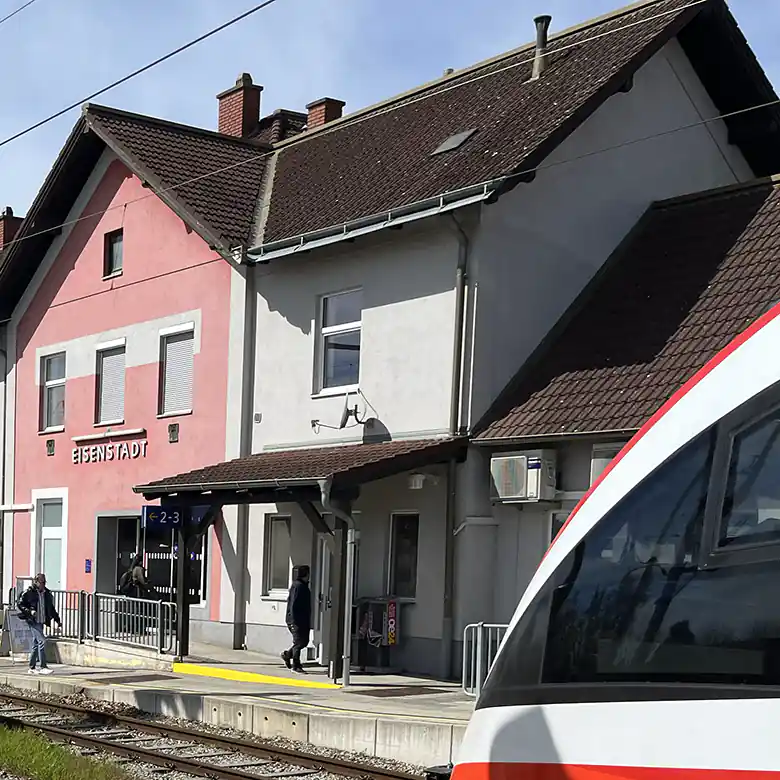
(350,464)
(171,154)
(691,277)
(365,165)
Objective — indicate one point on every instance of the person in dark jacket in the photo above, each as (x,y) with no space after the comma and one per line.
(36,607)
(298,619)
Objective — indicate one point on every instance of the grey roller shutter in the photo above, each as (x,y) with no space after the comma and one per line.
(177,378)
(111,401)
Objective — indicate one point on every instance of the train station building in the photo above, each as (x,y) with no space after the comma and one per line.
(322,342)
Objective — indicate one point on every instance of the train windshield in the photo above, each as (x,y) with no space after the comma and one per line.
(678,585)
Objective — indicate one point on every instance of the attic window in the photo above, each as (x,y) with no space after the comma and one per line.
(454,141)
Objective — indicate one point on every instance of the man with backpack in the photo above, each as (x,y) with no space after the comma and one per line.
(36,608)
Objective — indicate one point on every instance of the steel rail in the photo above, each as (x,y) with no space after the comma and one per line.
(299,758)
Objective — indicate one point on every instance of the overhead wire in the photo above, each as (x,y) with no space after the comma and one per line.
(18,10)
(506,178)
(138,71)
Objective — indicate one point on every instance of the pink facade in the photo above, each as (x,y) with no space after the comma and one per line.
(168,271)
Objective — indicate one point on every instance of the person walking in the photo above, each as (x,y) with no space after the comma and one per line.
(36,607)
(298,619)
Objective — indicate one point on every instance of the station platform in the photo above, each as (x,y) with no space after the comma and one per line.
(408,719)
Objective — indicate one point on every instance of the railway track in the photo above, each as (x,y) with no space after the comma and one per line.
(175,749)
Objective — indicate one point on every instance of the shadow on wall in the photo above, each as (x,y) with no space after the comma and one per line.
(71,252)
(527,739)
(375,431)
(392,267)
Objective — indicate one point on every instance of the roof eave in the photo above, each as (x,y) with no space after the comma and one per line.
(153,490)
(401,215)
(548,438)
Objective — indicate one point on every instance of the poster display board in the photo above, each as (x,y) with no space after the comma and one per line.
(17,637)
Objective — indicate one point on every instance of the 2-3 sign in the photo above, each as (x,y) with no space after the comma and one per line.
(164,517)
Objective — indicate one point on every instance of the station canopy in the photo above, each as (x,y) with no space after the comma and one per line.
(297,474)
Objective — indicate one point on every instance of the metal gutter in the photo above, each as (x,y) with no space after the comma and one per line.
(412,212)
(206,487)
(545,438)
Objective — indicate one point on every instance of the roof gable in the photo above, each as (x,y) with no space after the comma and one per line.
(693,275)
(213,179)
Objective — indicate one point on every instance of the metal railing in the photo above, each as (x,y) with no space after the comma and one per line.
(481,642)
(136,622)
(102,617)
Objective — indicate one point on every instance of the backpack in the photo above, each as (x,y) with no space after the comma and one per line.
(125,587)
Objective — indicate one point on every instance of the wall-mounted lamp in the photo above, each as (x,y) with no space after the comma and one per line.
(416,481)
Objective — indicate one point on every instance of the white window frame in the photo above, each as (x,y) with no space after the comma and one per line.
(391,550)
(45,385)
(100,349)
(164,335)
(39,498)
(333,330)
(601,452)
(267,589)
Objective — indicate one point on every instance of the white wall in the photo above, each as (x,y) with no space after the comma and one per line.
(421,618)
(408,282)
(540,244)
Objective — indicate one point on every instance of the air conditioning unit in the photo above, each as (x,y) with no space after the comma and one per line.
(523,477)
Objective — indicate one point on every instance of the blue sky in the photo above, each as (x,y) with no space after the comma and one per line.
(360,51)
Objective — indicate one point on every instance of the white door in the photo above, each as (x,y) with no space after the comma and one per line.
(49,552)
(323,601)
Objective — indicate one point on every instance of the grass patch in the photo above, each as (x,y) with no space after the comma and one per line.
(28,754)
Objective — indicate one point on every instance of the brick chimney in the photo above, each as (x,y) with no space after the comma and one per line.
(323,111)
(239,107)
(9,224)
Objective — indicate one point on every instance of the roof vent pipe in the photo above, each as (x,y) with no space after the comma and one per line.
(540,57)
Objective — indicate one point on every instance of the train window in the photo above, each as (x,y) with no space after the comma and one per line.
(751,503)
(630,605)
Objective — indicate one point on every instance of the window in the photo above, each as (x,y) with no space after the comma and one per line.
(557,521)
(278,568)
(110,386)
(112,254)
(176,371)
(404,542)
(53,395)
(340,339)
(601,456)
(49,552)
(751,504)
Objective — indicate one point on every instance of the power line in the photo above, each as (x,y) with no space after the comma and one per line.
(396,106)
(18,10)
(137,72)
(498,180)
(369,113)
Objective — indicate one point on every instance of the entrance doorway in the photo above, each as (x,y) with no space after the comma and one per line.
(118,540)
(323,600)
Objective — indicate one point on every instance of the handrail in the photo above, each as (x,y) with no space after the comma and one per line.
(112,618)
(481,642)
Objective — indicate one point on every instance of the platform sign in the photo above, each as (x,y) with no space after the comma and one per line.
(161,517)
(171,516)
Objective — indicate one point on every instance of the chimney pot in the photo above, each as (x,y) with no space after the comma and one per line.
(540,56)
(449,71)
(239,107)
(9,224)
(323,111)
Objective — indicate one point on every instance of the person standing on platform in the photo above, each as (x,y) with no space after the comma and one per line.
(298,619)
(36,607)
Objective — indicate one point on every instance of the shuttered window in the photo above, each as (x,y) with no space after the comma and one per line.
(111,385)
(176,372)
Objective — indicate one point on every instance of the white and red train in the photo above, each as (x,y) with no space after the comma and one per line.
(648,643)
